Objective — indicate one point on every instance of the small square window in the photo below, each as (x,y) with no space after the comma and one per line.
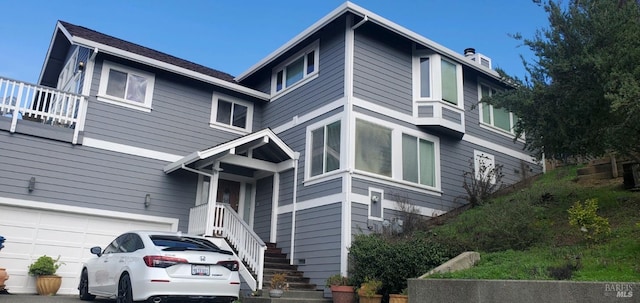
(231,113)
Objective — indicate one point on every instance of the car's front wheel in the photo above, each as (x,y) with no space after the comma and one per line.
(83,287)
(125,294)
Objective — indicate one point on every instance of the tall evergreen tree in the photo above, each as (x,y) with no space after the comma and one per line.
(582,93)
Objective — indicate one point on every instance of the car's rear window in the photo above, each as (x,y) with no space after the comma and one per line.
(183,242)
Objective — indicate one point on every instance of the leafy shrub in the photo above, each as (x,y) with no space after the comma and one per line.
(501,225)
(44,266)
(369,287)
(337,280)
(584,216)
(481,182)
(395,261)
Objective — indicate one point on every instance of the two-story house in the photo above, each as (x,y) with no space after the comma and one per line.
(308,147)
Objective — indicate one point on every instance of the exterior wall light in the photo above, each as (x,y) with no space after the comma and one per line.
(147,200)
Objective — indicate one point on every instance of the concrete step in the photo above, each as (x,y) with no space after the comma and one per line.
(290,296)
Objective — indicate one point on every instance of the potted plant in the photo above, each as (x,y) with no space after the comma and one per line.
(341,289)
(402,297)
(278,283)
(47,282)
(3,272)
(368,291)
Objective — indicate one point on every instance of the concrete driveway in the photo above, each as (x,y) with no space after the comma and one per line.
(46,299)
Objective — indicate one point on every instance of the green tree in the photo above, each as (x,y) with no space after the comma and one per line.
(582,93)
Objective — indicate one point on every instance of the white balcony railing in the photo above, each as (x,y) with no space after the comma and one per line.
(222,220)
(24,101)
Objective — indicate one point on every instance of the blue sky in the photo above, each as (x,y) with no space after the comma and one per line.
(231,36)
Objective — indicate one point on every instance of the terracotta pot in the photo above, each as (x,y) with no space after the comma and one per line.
(343,294)
(48,285)
(372,299)
(396,298)
(3,277)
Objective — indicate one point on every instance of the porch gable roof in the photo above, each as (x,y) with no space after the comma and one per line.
(253,141)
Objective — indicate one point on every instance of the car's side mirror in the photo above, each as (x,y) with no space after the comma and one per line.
(96,250)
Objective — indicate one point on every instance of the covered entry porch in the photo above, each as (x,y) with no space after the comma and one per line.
(226,194)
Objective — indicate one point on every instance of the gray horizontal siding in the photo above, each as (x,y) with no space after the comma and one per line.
(285,196)
(318,238)
(327,87)
(178,122)
(262,214)
(452,116)
(283,233)
(382,69)
(87,177)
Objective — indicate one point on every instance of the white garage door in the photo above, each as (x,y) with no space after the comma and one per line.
(33,229)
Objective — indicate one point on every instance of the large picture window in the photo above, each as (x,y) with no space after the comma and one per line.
(396,153)
(300,67)
(126,86)
(325,149)
(373,148)
(495,116)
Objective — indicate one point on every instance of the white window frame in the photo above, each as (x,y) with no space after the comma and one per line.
(308,179)
(396,178)
(306,77)
(229,127)
(491,123)
(491,162)
(435,78)
(104,79)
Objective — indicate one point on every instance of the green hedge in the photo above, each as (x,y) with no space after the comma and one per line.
(394,261)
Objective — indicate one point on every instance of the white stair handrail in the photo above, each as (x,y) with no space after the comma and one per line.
(241,236)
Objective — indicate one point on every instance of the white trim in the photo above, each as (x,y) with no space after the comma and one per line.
(104,80)
(346,218)
(499,148)
(297,120)
(306,77)
(366,176)
(393,205)
(311,203)
(325,177)
(130,150)
(88,211)
(372,17)
(370,204)
(169,67)
(275,195)
(308,145)
(214,111)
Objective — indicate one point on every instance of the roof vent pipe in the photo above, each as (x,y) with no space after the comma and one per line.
(469,52)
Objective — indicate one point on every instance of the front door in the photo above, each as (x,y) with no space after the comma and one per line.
(229,192)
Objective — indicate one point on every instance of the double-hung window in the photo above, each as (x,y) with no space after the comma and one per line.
(126,86)
(493,116)
(325,149)
(391,151)
(418,160)
(437,78)
(300,68)
(231,114)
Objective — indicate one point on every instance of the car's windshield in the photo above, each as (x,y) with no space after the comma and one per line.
(175,243)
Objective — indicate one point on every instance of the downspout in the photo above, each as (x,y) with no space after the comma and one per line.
(293,212)
(363,21)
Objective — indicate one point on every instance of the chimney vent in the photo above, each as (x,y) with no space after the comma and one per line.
(469,52)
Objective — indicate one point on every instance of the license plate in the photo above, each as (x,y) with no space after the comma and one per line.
(199,270)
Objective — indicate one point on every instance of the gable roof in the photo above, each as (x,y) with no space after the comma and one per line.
(100,42)
(367,16)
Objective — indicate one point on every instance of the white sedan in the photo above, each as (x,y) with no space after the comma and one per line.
(160,267)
